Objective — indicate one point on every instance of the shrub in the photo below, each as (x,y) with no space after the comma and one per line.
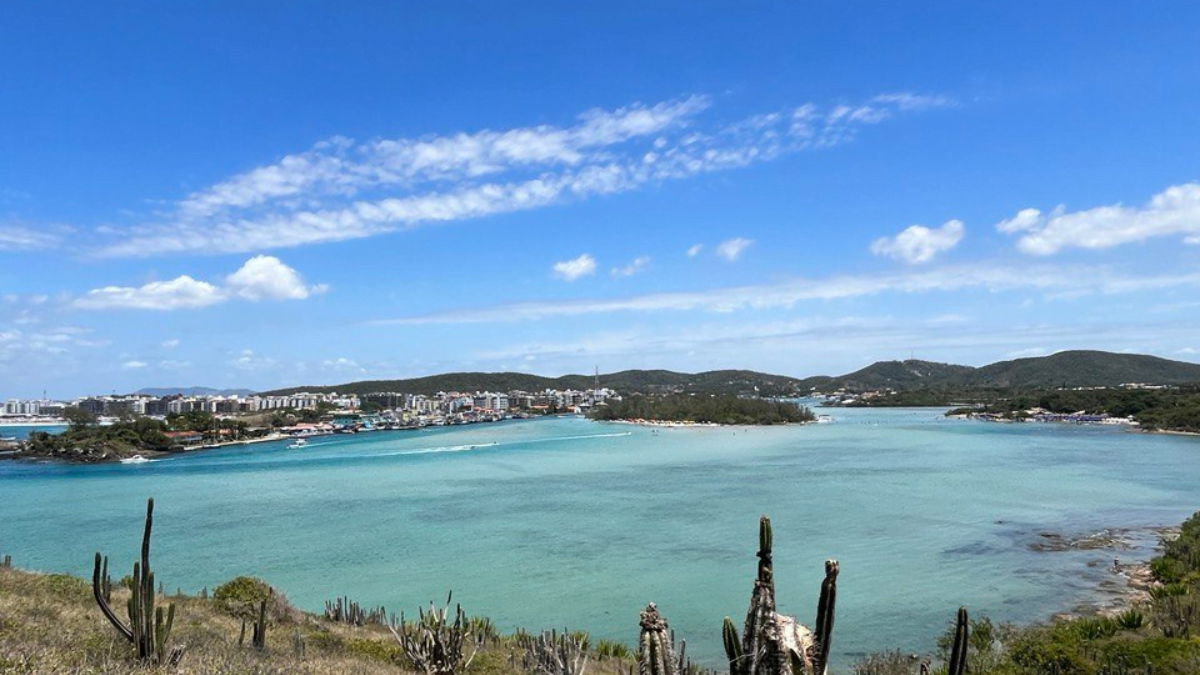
(240,597)
(1130,619)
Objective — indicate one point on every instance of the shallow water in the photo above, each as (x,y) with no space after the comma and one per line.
(566,522)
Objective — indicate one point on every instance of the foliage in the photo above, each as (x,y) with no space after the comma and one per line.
(627,382)
(719,409)
(99,442)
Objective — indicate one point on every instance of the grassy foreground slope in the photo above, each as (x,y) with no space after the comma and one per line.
(49,623)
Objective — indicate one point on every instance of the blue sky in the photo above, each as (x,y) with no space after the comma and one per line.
(261,194)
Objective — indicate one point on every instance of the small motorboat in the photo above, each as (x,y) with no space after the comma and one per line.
(136,459)
(297,444)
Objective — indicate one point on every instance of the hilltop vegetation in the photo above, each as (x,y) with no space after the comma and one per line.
(704,410)
(86,441)
(1064,369)
(736,382)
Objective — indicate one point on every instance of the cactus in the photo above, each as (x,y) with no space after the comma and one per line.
(824,624)
(774,644)
(149,627)
(656,654)
(7,562)
(434,644)
(344,610)
(552,653)
(958,652)
(105,581)
(259,638)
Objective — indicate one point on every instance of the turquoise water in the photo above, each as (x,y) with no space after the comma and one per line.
(566,522)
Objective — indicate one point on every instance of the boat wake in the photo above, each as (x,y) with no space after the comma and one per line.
(137,459)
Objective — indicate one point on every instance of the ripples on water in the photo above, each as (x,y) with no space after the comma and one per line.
(565,522)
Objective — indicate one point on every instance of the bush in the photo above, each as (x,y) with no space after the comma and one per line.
(240,597)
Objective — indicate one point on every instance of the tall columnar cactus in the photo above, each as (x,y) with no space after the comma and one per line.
(824,625)
(774,644)
(958,651)
(149,627)
(656,654)
(7,562)
(259,638)
(106,581)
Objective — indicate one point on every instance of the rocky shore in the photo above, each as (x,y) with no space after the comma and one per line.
(1124,581)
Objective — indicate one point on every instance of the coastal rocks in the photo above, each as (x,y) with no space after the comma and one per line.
(1114,540)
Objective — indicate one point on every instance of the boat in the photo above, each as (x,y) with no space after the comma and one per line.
(824,419)
(297,444)
(136,459)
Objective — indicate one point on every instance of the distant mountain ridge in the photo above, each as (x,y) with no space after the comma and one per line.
(1077,368)
(626,381)
(1080,368)
(192,391)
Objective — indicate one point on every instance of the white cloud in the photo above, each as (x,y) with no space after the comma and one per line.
(19,238)
(170,344)
(638,264)
(261,278)
(341,190)
(249,361)
(694,250)
(265,277)
(918,244)
(1025,220)
(343,365)
(1172,212)
(173,365)
(570,270)
(133,365)
(732,249)
(1062,281)
(180,293)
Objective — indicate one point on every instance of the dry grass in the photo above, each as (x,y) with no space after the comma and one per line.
(50,624)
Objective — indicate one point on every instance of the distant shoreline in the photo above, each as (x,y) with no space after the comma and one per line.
(684,424)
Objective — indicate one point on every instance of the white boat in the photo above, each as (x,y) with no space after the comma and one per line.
(136,459)
(824,419)
(297,444)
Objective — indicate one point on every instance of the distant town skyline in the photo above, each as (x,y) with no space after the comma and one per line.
(260,197)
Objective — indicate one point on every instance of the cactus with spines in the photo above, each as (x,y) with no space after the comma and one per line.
(656,653)
(435,644)
(733,648)
(825,612)
(774,644)
(149,627)
(958,650)
(554,653)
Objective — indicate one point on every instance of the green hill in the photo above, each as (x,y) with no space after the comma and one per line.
(626,381)
(1069,369)
(908,374)
(1082,369)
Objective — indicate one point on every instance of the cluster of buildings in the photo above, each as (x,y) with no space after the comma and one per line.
(411,408)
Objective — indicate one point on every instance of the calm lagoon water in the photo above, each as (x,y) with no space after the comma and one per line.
(567,522)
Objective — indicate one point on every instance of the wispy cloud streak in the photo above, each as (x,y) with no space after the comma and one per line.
(340,189)
(1052,280)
